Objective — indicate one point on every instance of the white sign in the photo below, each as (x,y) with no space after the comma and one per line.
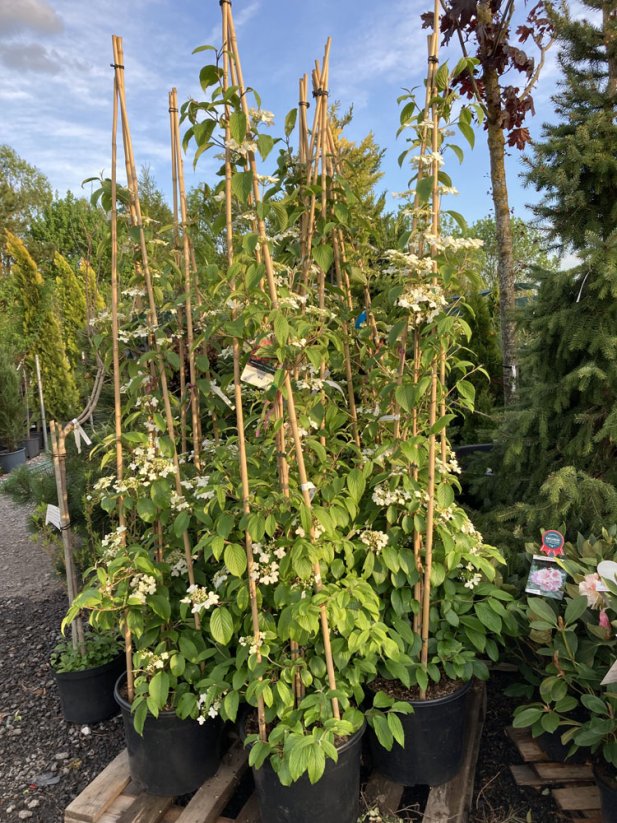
(258,374)
(611,675)
(53,517)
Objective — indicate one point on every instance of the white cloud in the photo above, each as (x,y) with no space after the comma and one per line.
(23,15)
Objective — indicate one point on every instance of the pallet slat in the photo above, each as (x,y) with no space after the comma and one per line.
(212,797)
(146,808)
(527,747)
(577,798)
(452,802)
(100,794)
(249,813)
(383,793)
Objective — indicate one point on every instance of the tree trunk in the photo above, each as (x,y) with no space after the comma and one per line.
(505,261)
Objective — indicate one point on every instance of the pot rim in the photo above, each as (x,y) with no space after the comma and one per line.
(7,453)
(434,701)
(163,714)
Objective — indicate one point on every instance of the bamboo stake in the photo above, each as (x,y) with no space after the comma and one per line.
(291,409)
(244,475)
(188,284)
(428,549)
(136,213)
(39,382)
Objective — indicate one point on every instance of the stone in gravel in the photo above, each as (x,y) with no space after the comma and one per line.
(62,756)
(24,814)
(32,804)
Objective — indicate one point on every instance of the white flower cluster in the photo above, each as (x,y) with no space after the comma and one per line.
(261,116)
(113,542)
(150,662)
(471,577)
(407,261)
(241,148)
(265,563)
(294,301)
(384,496)
(219,578)
(312,381)
(445,242)
(425,302)
(451,465)
(142,585)
(200,598)
(148,465)
(251,642)
(375,540)
(211,711)
(428,158)
(318,530)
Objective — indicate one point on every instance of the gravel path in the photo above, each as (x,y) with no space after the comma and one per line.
(44,762)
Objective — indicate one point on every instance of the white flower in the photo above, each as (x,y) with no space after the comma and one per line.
(375,540)
(200,598)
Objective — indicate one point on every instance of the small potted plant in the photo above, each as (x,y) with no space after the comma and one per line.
(572,650)
(86,675)
(12,416)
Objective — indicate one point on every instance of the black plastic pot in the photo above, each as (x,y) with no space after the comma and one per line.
(435,742)
(606,779)
(173,756)
(33,445)
(87,696)
(551,745)
(10,460)
(335,798)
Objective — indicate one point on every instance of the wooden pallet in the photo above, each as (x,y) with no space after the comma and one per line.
(112,797)
(571,784)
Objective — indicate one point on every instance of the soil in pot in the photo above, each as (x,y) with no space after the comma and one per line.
(173,756)
(9,460)
(335,798)
(87,696)
(606,779)
(436,735)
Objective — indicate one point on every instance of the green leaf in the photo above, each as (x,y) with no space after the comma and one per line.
(231,702)
(396,727)
(160,605)
(527,717)
(541,608)
(488,617)
(181,523)
(575,609)
(242,185)
(210,76)
(158,688)
(290,121)
(356,484)
(224,525)
(146,510)
(405,397)
(221,625)
(265,144)
(323,256)
(235,559)
(281,328)
(383,731)
(468,133)
(238,126)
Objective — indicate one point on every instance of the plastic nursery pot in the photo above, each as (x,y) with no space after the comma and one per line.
(33,446)
(551,745)
(335,798)
(87,696)
(435,742)
(606,779)
(173,756)
(10,460)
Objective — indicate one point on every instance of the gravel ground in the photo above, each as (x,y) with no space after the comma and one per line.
(44,762)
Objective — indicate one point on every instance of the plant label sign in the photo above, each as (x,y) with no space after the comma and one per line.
(611,675)
(258,373)
(546,578)
(53,516)
(607,570)
(552,542)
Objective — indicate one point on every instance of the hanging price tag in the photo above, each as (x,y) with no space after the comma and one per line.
(611,675)
(53,516)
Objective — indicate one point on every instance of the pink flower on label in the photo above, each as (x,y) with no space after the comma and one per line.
(588,586)
(550,580)
(603,620)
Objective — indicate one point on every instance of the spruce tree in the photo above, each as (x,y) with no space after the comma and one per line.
(559,465)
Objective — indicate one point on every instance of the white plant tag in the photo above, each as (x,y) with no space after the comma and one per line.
(611,675)
(53,516)
(221,394)
(257,373)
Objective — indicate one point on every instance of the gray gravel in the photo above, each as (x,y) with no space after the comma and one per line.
(44,761)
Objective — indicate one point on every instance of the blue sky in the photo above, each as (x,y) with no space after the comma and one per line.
(56,81)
